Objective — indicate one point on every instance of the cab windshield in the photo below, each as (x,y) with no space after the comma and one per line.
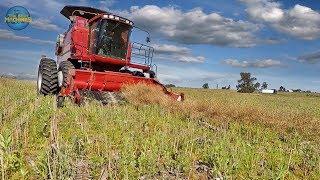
(109,38)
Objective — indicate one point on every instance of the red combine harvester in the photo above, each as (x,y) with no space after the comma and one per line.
(94,54)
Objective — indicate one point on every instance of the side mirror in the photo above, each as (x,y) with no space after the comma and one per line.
(59,44)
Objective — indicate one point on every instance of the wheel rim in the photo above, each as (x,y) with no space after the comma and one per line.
(60,78)
(39,81)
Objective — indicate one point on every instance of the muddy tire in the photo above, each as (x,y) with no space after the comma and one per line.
(47,81)
(64,70)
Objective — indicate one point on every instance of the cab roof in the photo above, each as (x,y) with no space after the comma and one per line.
(85,12)
(89,12)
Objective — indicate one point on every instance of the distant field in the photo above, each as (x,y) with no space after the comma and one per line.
(213,134)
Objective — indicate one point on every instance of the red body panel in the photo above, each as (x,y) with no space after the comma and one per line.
(108,81)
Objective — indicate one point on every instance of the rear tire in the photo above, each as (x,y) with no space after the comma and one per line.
(47,82)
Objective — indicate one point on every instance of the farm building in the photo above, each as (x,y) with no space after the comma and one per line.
(269,91)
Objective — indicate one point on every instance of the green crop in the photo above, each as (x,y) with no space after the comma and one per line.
(213,134)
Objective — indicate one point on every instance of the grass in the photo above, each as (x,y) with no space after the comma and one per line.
(213,134)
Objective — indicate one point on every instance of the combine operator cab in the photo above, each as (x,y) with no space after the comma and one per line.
(109,38)
(95,54)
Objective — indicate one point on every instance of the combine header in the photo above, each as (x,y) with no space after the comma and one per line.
(95,54)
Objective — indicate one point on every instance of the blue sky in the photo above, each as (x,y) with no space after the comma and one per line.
(196,41)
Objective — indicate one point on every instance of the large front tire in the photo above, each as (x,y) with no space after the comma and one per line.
(64,71)
(63,74)
(47,82)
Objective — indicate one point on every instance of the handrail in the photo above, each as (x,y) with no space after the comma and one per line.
(142,52)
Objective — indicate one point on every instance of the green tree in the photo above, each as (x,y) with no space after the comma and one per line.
(282,89)
(257,85)
(170,85)
(296,90)
(247,83)
(264,85)
(205,86)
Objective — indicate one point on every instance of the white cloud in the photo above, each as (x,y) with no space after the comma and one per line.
(264,10)
(311,58)
(20,61)
(44,12)
(106,4)
(193,27)
(176,53)
(266,63)
(11,36)
(38,7)
(299,21)
(45,24)
(192,76)
(170,49)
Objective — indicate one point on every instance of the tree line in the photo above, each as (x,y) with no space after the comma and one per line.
(248,84)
